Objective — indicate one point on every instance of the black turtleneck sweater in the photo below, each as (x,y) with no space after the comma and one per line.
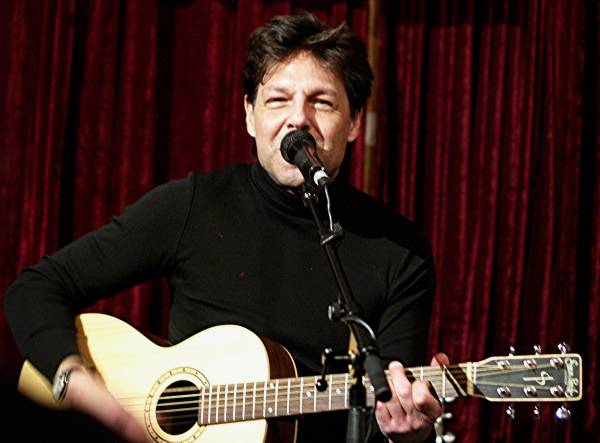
(238,249)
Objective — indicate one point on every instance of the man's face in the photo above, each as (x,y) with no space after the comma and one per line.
(300,94)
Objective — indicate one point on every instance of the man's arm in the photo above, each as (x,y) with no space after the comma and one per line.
(403,335)
(41,304)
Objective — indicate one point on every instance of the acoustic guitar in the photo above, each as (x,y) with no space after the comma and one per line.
(226,384)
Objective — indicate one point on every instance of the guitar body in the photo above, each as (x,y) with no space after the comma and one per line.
(225,384)
(137,372)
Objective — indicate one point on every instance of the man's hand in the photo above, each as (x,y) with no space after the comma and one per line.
(86,393)
(409,415)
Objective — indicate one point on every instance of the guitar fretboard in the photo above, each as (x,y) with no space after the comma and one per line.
(289,396)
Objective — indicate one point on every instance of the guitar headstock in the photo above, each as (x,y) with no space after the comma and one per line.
(528,378)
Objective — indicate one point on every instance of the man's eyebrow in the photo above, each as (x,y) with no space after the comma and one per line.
(277,89)
(324,90)
(317,91)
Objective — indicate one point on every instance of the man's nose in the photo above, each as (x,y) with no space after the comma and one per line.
(300,115)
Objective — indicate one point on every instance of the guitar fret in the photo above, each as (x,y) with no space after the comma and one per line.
(217,405)
(209,402)
(301,394)
(276,393)
(225,404)
(264,414)
(234,400)
(442,378)
(244,403)
(254,401)
(288,395)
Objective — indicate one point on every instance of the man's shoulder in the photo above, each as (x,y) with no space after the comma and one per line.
(183,190)
(360,205)
(370,217)
(221,177)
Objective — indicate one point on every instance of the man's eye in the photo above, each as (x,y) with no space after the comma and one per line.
(276,99)
(323,104)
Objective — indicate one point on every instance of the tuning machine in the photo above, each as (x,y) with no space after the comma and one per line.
(510,411)
(448,437)
(442,435)
(563,347)
(563,413)
(536,411)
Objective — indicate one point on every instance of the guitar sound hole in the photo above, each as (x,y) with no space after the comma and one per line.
(177,408)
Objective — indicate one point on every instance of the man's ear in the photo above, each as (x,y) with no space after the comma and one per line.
(249,117)
(355,126)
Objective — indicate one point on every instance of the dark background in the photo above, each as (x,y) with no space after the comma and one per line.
(485,136)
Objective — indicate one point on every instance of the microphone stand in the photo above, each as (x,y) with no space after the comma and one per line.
(348,311)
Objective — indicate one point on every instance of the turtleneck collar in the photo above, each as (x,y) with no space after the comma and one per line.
(280,197)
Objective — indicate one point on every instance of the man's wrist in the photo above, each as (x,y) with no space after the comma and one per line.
(63,375)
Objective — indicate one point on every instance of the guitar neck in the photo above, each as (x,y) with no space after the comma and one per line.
(532,378)
(297,396)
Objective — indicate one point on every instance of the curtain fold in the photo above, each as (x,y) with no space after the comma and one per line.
(482,131)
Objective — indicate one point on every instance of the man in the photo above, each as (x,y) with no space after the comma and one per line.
(238,246)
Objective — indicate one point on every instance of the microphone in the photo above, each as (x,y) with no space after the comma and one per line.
(298,148)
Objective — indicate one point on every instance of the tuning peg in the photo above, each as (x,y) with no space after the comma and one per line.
(447,437)
(536,411)
(511,350)
(443,437)
(510,411)
(447,416)
(537,349)
(563,348)
(562,413)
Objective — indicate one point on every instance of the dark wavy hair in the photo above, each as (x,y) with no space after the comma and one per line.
(339,49)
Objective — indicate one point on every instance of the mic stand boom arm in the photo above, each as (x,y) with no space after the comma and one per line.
(348,311)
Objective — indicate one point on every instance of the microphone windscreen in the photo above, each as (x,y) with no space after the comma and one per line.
(294,141)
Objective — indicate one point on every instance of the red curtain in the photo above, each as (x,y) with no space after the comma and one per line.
(482,130)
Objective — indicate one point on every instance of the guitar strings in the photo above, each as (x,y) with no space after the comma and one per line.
(259,397)
(434,377)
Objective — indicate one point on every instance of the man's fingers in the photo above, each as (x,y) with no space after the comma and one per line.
(412,408)
(424,401)
(440,359)
(87,393)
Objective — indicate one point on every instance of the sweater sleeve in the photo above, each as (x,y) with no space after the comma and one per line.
(137,245)
(404,326)
(403,331)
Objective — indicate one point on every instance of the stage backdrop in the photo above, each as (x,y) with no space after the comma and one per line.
(482,129)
